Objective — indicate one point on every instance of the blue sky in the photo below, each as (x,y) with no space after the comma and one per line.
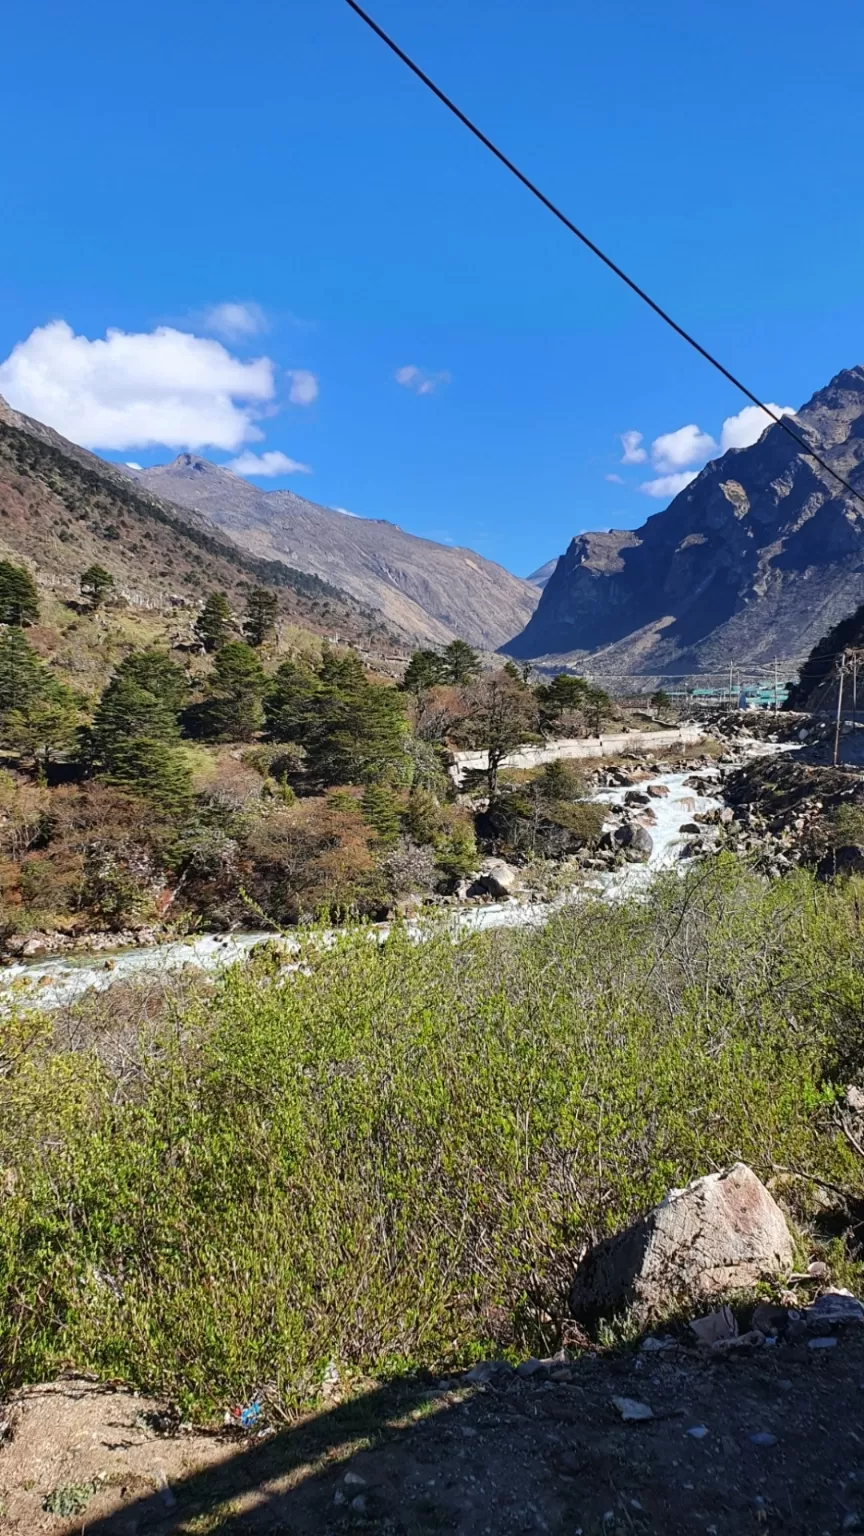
(163,161)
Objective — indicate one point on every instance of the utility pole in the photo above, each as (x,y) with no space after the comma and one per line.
(731,667)
(839,709)
(776,705)
(854,694)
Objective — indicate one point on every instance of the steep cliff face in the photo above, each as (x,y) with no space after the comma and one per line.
(758,557)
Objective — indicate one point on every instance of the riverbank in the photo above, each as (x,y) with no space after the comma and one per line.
(691,787)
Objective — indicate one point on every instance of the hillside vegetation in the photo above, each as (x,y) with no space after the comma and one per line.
(62,509)
(248,773)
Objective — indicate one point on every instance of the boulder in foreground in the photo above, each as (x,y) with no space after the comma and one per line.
(722,1233)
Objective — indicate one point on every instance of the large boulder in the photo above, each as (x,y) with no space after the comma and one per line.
(722,1233)
(637,840)
(495,877)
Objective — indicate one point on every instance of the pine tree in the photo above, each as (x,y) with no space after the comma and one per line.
(127,712)
(234,710)
(23,677)
(214,623)
(155,770)
(462,663)
(425,670)
(154,670)
(357,729)
(290,702)
(260,620)
(96,584)
(44,728)
(19,600)
(381,812)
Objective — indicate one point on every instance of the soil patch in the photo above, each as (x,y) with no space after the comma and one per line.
(771,1441)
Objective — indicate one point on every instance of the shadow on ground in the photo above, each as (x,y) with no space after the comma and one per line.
(777,1447)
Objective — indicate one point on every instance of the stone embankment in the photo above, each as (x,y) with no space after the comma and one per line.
(582,748)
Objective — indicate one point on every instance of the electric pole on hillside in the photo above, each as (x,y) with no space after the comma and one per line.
(839,709)
(731,670)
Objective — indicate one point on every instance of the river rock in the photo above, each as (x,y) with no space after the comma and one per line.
(690,829)
(635,797)
(635,839)
(687,803)
(37,944)
(724,1232)
(494,878)
(657,791)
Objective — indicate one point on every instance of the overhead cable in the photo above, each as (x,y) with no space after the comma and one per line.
(780,421)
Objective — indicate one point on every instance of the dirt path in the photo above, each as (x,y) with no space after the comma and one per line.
(545,1453)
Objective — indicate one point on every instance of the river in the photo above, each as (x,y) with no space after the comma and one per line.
(50,983)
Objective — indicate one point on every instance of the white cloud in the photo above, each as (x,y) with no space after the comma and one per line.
(633,453)
(676,456)
(668,485)
(419,380)
(137,390)
(345,512)
(236,320)
(130,464)
(267,465)
(676,450)
(747,427)
(614,479)
(304,387)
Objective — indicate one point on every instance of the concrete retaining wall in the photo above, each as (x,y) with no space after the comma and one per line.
(584,746)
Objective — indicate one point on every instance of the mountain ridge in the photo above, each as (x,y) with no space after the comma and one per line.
(759,556)
(62,508)
(433,592)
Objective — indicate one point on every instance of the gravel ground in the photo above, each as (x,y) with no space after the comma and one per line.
(770,1440)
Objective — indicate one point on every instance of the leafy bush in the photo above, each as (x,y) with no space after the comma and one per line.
(395,1153)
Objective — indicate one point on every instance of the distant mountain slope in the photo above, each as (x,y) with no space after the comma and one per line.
(431,591)
(540,577)
(758,557)
(62,508)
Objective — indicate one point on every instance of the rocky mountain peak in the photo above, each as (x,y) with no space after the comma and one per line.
(757,557)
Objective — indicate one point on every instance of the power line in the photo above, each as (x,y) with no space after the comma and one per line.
(532,187)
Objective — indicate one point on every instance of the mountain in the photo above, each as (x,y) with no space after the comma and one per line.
(759,556)
(432,592)
(540,577)
(62,509)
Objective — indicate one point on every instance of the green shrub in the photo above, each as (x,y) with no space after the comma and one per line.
(395,1153)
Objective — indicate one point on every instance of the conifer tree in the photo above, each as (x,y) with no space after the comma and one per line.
(425,670)
(154,769)
(234,710)
(260,619)
(154,670)
(289,706)
(19,600)
(127,712)
(462,663)
(23,677)
(96,585)
(45,728)
(214,623)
